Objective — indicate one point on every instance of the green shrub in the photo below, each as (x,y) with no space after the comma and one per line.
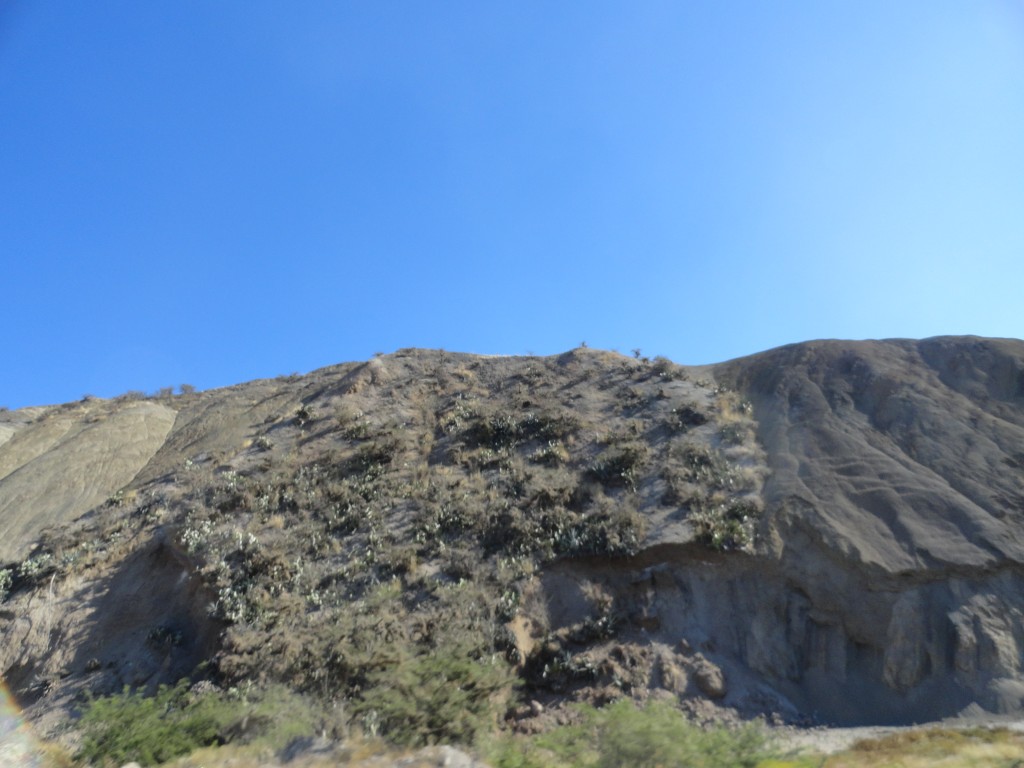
(725,526)
(149,730)
(130,726)
(615,531)
(507,430)
(5,583)
(686,416)
(556,531)
(442,696)
(619,467)
(659,735)
(622,734)
(37,567)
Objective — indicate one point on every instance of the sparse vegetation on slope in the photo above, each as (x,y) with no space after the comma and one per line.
(512,541)
(533,535)
(368,540)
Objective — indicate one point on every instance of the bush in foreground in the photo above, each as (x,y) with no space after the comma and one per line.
(622,734)
(443,697)
(178,720)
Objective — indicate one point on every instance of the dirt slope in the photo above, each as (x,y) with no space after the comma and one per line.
(64,462)
(829,531)
(909,454)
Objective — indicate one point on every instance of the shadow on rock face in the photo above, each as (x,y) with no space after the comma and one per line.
(148,624)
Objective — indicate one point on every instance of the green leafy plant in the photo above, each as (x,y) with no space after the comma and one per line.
(619,466)
(148,730)
(725,526)
(622,734)
(506,430)
(37,567)
(5,583)
(442,696)
(179,719)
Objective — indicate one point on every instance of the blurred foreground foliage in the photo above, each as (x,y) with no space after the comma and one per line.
(177,720)
(622,734)
(456,700)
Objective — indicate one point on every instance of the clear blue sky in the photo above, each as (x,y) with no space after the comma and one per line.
(210,192)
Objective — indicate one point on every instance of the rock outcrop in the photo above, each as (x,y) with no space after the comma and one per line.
(896,506)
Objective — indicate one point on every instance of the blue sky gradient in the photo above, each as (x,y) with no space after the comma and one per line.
(214,192)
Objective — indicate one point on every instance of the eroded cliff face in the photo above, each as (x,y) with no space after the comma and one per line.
(828,532)
(886,583)
(895,509)
(851,653)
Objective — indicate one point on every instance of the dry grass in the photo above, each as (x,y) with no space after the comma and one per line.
(924,748)
(936,748)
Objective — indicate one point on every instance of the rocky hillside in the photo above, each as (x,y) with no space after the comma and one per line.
(825,532)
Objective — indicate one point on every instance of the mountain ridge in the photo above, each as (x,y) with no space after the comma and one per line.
(826,531)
